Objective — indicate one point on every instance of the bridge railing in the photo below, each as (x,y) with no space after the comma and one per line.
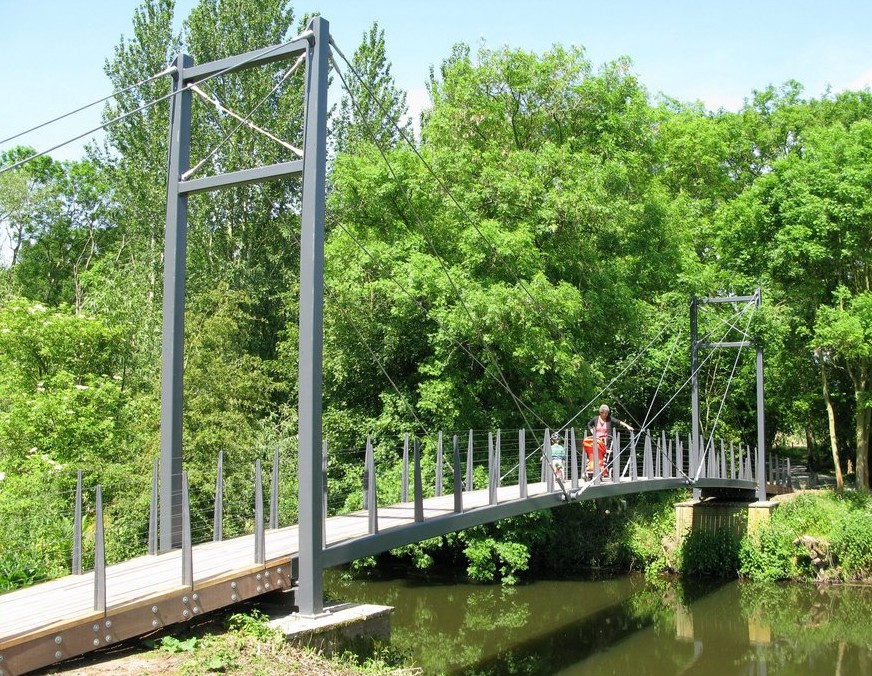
(243,498)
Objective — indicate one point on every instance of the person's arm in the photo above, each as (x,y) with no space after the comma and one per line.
(620,422)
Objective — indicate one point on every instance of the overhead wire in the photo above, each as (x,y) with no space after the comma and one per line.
(165,71)
(258,54)
(502,378)
(519,404)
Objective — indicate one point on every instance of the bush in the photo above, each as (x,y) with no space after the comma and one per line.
(710,553)
(852,544)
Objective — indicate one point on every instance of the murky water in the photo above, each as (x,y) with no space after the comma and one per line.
(625,626)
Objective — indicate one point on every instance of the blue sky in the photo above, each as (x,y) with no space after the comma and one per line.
(52,51)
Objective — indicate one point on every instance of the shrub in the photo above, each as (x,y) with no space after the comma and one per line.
(711,553)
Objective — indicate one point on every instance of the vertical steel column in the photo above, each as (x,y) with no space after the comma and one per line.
(761,417)
(694,396)
(173,346)
(310,594)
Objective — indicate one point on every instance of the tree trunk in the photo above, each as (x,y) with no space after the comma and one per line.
(862,417)
(831,418)
(862,420)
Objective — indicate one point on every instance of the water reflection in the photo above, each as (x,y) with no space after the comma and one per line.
(624,626)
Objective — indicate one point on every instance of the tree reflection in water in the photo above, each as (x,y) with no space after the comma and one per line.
(624,626)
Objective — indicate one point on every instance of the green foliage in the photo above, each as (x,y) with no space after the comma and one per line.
(710,553)
(852,543)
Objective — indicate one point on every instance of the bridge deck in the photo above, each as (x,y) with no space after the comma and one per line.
(55,620)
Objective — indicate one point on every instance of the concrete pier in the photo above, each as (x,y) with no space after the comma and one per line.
(740,518)
(340,624)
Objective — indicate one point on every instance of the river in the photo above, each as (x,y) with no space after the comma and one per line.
(623,625)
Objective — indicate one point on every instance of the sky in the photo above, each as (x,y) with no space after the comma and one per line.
(52,52)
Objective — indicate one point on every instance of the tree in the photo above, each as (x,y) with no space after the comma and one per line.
(806,226)
(372,109)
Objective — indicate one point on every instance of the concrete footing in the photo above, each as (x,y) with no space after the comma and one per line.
(741,518)
(339,625)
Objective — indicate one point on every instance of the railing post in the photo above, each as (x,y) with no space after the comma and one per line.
(634,468)
(573,458)
(324,450)
(438,492)
(218,512)
(522,462)
(616,458)
(77,527)
(187,545)
(647,462)
(667,460)
(99,556)
(458,482)
(404,489)
(547,462)
(274,491)
(469,461)
(153,510)
(259,537)
(419,491)
(371,488)
(491,483)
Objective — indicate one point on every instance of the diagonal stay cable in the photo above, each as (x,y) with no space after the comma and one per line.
(441,261)
(145,106)
(447,192)
(426,312)
(165,71)
(660,382)
(687,380)
(563,428)
(541,311)
(502,380)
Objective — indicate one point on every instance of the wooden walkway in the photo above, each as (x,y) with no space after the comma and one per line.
(56,620)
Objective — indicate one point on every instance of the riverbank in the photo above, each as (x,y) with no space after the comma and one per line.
(233,643)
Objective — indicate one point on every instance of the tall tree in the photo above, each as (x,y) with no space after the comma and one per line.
(372,109)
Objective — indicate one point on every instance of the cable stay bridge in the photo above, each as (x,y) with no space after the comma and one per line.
(477,478)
